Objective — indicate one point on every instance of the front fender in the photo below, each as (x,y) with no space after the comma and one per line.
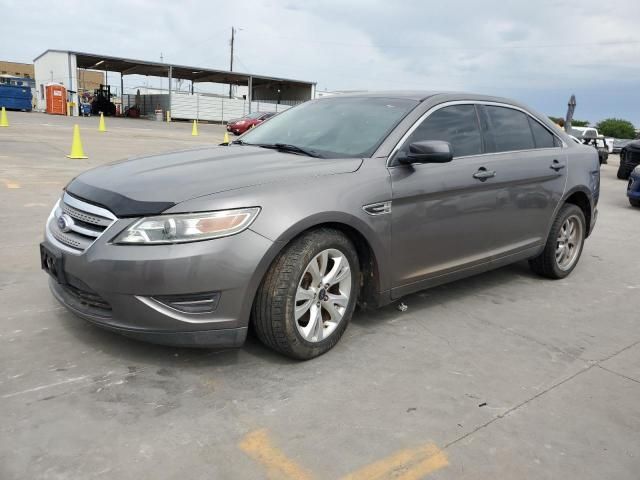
(291,208)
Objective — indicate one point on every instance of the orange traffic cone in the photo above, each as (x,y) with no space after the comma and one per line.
(77,152)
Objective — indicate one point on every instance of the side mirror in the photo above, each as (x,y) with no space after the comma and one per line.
(428,151)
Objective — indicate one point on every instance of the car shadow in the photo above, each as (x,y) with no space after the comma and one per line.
(133,352)
(449,292)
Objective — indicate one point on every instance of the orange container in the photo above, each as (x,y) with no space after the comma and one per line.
(56,99)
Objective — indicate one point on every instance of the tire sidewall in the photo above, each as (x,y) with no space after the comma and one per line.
(298,343)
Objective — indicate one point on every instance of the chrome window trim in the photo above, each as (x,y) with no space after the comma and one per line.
(435,108)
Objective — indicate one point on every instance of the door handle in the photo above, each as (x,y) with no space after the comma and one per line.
(557,166)
(483,174)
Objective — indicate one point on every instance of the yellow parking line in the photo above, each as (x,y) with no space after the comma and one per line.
(258,446)
(408,464)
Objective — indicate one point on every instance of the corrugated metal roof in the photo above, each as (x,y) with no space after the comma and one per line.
(128,66)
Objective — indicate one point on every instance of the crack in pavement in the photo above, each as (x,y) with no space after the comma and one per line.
(545,391)
(618,374)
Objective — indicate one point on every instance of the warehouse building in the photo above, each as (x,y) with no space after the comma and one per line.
(16,73)
(263,93)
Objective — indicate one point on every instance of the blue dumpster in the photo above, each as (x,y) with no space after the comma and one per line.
(15,97)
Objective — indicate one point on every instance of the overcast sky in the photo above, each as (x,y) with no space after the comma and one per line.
(537,51)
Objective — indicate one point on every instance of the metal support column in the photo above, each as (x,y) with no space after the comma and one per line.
(250,92)
(121,95)
(170,76)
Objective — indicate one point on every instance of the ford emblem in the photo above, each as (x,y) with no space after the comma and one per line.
(65,222)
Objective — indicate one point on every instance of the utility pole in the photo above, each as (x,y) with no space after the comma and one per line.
(233,36)
(161,61)
(569,118)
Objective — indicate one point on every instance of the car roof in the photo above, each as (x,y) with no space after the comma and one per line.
(422,95)
(417,95)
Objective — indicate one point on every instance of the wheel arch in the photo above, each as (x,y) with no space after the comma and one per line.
(369,249)
(581,197)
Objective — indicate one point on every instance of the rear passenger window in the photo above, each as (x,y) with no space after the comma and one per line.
(457,124)
(509,129)
(541,136)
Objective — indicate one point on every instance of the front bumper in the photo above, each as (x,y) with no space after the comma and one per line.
(113,286)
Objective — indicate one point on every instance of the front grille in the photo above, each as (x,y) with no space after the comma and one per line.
(87,298)
(75,224)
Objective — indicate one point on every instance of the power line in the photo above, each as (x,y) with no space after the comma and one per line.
(474,48)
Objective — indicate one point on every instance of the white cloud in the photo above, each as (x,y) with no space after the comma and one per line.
(535,50)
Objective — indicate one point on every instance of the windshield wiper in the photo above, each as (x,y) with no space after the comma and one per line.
(285,147)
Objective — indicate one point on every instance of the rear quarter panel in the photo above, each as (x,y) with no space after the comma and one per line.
(583,174)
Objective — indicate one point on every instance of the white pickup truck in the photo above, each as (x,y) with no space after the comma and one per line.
(591,133)
(590,136)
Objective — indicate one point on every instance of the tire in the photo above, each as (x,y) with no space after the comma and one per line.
(603,157)
(547,264)
(634,202)
(624,170)
(274,308)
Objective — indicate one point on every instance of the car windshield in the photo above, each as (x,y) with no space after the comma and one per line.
(253,115)
(334,127)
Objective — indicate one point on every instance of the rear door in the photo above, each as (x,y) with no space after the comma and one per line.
(530,167)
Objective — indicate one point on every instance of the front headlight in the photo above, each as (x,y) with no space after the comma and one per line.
(188,227)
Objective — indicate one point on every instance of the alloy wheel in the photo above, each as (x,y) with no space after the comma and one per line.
(322,295)
(569,243)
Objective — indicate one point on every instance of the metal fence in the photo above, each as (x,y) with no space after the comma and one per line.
(200,106)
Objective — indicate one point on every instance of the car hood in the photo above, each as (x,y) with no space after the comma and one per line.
(151,185)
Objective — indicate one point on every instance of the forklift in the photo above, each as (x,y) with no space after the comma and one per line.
(102,101)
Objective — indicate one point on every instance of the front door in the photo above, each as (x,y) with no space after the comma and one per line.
(441,213)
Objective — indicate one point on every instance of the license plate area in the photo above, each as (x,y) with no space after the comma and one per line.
(52,262)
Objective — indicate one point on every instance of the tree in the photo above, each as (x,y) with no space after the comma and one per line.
(574,122)
(579,123)
(616,128)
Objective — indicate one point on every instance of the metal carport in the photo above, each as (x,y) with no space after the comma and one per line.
(260,88)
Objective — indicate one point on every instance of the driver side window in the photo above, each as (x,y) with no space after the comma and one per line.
(456,124)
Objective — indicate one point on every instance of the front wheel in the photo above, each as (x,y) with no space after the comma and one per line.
(564,244)
(634,202)
(308,296)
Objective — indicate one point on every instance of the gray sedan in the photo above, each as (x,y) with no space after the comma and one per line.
(345,201)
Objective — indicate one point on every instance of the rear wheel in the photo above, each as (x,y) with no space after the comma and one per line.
(564,244)
(634,202)
(307,297)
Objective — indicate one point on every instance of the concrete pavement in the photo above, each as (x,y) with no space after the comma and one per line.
(503,375)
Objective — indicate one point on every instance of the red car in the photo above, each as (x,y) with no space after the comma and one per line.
(243,124)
